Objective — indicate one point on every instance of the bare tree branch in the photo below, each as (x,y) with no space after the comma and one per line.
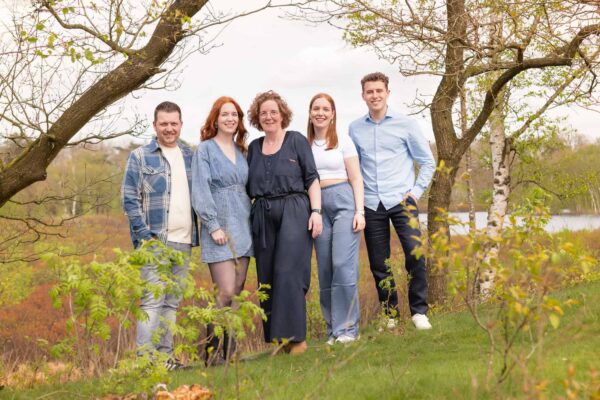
(563,59)
(117,48)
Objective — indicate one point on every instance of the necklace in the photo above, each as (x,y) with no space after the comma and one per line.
(320,145)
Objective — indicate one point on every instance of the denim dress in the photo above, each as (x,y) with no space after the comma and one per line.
(220,201)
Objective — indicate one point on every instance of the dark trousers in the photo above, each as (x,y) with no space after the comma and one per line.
(377,238)
(283,247)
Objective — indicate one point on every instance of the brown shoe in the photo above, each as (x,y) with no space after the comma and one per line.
(298,347)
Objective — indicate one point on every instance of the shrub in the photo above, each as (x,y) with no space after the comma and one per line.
(532,265)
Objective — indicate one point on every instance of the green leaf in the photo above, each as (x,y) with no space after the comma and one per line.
(40,26)
(554,321)
(41,54)
(51,39)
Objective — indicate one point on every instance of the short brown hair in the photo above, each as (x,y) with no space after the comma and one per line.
(254,110)
(375,77)
(167,106)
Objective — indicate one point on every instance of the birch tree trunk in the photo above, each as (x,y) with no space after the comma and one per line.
(500,150)
(468,163)
(595,202)
(470,191)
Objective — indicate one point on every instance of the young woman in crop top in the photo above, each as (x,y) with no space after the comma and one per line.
(342,203)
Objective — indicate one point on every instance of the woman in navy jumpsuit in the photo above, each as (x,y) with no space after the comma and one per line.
(286,216)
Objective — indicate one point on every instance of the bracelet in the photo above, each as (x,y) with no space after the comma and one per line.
(316,210)
(361,212)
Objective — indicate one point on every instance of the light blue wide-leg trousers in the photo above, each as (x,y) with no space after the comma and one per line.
(337,259)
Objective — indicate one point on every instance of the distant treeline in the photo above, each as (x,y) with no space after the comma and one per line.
(567,167)
(87,180)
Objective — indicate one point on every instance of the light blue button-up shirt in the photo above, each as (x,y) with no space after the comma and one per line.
(386,150)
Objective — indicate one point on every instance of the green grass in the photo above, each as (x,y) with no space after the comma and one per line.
(448,362)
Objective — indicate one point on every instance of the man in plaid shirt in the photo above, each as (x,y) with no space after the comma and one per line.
(156,199)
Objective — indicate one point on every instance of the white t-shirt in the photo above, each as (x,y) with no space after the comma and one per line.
(179,225)
(330,163)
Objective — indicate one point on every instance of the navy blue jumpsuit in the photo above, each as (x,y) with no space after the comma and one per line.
(282,241)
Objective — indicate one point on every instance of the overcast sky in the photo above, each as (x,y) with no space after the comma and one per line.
(298,60)
(264,51)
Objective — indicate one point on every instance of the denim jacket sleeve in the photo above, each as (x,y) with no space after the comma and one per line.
(202,199)
(131,197)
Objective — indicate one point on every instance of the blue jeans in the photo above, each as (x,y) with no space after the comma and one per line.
(337,259)
(161,309)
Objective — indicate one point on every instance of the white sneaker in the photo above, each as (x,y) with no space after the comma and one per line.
(330,341)
(345,339)
(421,322)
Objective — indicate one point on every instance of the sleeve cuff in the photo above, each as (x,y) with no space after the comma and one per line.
(212,225)
(417,192)
(308,183)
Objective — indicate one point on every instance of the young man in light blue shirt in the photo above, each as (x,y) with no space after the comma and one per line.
(388,144)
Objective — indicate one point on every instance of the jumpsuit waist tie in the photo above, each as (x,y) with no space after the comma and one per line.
(261,205)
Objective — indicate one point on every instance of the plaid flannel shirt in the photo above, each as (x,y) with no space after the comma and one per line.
(146,189)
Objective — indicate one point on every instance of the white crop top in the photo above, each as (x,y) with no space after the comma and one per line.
(330,163)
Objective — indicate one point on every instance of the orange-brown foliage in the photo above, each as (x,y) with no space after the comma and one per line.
(35,317)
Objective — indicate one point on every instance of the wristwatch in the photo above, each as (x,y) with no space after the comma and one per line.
(316,210)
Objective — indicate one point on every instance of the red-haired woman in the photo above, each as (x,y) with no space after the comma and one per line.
(219,176)
(342,198)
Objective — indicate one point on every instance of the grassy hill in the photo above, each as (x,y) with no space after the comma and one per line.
(448,362)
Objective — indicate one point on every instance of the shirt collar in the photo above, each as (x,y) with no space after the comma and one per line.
(389,113)
(154,146)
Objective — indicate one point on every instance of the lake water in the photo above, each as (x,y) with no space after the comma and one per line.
(556,224)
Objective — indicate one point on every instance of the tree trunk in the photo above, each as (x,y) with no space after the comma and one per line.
(468,162)
(439,200)
(445,136)
(595,206)
(470,191)
(450,148)
(500,150)
(31,166)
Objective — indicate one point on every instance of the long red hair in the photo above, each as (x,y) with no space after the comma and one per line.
(331,137)
(209,130)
